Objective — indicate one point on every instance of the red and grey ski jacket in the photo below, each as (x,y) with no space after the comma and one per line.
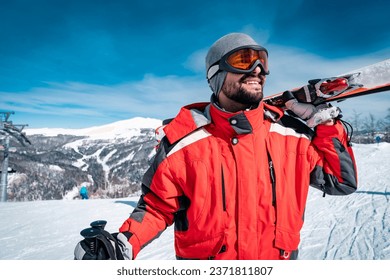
(235,184)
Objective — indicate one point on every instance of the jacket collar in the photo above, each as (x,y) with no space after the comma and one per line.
(242,122)
(194,116)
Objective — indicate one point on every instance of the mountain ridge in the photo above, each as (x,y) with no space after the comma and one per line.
(110,160)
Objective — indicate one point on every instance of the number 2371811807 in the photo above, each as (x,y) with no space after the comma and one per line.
(238,270)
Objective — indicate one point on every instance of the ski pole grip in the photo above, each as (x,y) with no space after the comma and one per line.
(100,224)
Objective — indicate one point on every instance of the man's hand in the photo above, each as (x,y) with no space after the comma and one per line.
(123,245)
(104,246)
(313,115)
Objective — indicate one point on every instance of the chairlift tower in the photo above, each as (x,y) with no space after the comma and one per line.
(7,130)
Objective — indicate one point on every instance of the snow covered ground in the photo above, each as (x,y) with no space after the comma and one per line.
(350,227)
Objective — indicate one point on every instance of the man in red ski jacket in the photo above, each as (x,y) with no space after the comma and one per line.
(233,174)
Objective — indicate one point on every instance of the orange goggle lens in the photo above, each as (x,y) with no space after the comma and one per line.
(243,59)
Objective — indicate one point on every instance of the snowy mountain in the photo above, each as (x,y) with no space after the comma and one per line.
(109,160)
(349,227)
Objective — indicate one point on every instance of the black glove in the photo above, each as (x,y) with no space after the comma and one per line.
(101,245)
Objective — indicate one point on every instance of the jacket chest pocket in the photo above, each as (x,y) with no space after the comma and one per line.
(205,189)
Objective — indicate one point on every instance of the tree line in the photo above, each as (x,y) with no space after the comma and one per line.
(368,129)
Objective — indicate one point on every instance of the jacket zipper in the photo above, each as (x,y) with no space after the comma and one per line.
(272,176)
(223,190)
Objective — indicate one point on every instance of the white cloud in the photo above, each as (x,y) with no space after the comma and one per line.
(159,97)
(196,61)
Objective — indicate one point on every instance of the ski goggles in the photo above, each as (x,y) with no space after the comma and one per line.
(241,61)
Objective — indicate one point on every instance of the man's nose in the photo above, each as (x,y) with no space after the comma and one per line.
(257,70)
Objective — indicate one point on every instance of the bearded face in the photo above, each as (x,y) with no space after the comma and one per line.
(244,88)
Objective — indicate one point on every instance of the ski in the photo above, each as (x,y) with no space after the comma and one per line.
(367,80)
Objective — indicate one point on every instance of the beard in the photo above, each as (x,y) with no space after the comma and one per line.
(242,95)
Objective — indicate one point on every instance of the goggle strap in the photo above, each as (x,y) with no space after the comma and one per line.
(212,71)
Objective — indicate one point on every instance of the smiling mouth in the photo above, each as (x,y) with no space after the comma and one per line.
(251,82)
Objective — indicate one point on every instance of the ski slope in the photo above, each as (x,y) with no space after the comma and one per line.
(355,227)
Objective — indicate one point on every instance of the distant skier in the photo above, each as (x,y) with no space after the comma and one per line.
(84,192)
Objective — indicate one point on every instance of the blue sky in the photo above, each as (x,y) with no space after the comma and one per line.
(80,63)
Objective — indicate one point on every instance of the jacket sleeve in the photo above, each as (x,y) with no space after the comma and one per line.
(335,169)
(159,202)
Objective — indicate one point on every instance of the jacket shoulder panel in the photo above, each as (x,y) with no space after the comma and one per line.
(189,139)
(288,125)
(189,119)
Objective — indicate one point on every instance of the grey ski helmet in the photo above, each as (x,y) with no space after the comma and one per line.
(221,47)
